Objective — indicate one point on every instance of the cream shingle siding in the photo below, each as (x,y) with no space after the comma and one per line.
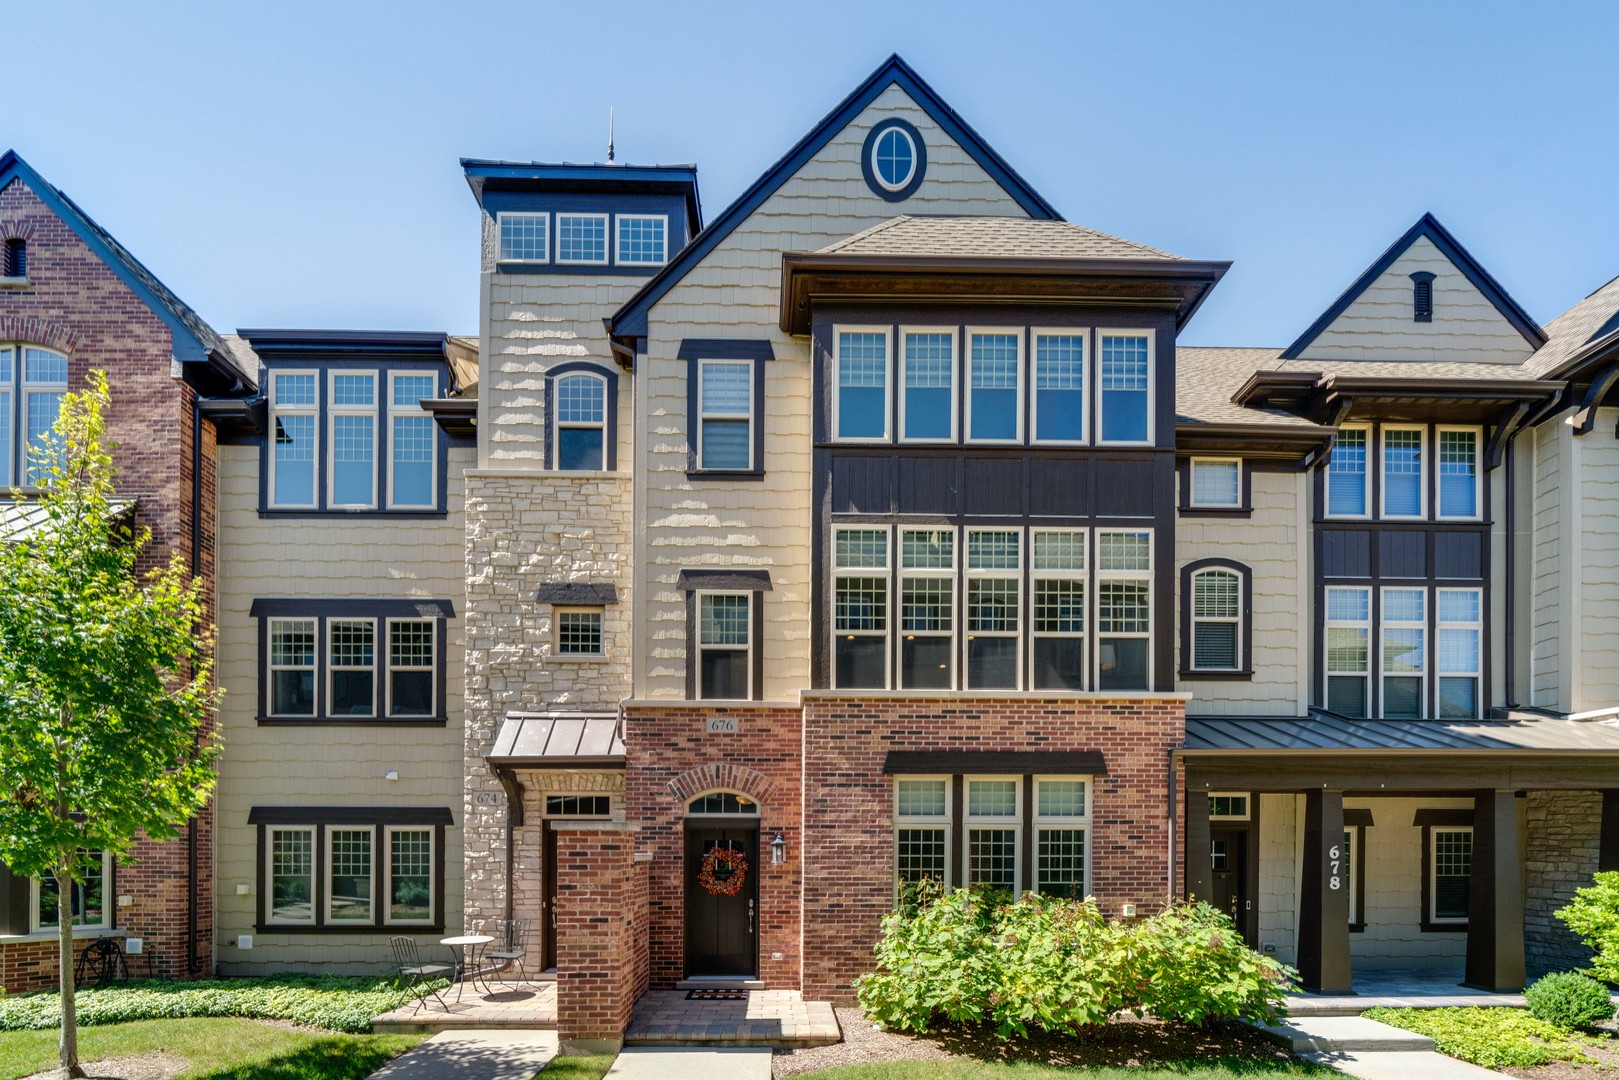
(1551,576)
(1275,548)
(1378,325)
(324,766)
(1596,616)
(733,293)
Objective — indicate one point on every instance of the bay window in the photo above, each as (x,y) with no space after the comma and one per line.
(1403,489)
(1348,645)
(993,825)
(1126,388)
(1058,630)
(860,410)
(860,616)
(995,387)
(1460,660)
(928,399)
(1404,653)
(1061,834)
(922,830)
(1123,609)
(927,609)
(725,645)
(1059,387)
(994,603)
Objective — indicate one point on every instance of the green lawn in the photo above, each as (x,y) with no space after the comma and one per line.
(217,1049)
(1219,1069)
(577,1068)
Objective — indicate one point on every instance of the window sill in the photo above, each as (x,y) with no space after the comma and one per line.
(352,515)
(352,721)
(14,283)
(577,658)
(725,474)
(79,934)
(1187,675)
(1216,511)
(279,929)
(1444,928)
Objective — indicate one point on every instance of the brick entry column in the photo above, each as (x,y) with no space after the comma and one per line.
(601,910)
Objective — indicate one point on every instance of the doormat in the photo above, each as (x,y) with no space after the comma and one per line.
(716,995)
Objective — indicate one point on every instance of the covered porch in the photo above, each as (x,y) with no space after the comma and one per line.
(1371,853)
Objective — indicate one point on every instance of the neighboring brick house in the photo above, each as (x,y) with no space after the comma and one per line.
(73,300)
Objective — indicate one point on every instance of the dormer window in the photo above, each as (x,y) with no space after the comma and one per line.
(16,258)
(1422,296)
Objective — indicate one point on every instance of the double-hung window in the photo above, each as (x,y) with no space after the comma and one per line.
(581,422)
(294,412)
(725,413)
(1123,609)
(927,405)
(994,607)
(860,607)
(1459,476)
(1347,474)
(87,903)
(524,237)
(995,386)
(725,645)
(353,438)
(1403,488)
(994,824)
(1059,387)
(9,466)
(1348,645)
(412,668)
(1058,630)
(1126,388)
(922,829)
(582,239)
(352,663)
(44,384)
(1461,637)
(1216,620)
(291,871)
(860,410)
(292,667)
(642,239)
(410,867)
(927,559)
(413,442)
(350,876)
(1061,834)
(1404,653)
(1216,483)
(1450,863)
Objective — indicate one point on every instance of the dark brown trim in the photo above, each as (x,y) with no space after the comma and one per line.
(725,349)
(1444,816)
(1183,485)
(1026,836)
(1448,773)
(458,417)
(264,818)
(1245,628)
(958,833)
(1359,817)
(349,722)
(724,581)
(1608,844)
(988,762)
(350,815)
(1323,952)
(363,607)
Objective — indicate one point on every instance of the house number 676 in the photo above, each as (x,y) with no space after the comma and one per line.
(1335,855)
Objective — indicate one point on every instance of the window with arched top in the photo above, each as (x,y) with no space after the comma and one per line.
(722,802)
(33,380)
(1216,597)
(580,421)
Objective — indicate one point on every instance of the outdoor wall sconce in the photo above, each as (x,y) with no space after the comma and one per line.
(778,850)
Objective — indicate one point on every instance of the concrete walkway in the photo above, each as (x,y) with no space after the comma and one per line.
(1369,1049)
(691,1063)
(505,1054)
(1403,1065)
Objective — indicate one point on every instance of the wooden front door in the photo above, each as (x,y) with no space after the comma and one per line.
(722,932)
(1229,860)
(548,900)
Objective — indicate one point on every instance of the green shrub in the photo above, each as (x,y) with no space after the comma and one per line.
(1049,964)
(338,1003)
(1493,1038)
(1593,914)
(1569,1000)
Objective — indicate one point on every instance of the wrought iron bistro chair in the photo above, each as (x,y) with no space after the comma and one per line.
(510,948)
(413,973)
(100,963)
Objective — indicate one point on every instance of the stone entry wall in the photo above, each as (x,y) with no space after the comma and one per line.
(1561,844)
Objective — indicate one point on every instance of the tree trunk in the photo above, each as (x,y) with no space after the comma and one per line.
(69,1056)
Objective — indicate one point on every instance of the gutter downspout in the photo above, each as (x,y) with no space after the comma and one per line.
(193,965)
(514,820)
(1174,758)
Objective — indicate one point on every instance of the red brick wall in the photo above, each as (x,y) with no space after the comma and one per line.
(75,304)
(848,803)
(601,930)
(671,759)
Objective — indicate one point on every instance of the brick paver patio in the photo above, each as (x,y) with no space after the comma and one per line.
(779,1018)
(510,1006)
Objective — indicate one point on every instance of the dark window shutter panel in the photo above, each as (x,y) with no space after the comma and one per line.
(1422,297)
(13,902)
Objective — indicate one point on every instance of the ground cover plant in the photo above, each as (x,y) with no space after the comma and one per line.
(1593,914)
(1493,1038)
(1569,1000)
(986,1070)
(587,1067)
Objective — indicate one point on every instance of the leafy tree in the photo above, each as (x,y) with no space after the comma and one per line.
(105,689)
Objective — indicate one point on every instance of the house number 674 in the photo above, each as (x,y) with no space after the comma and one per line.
(1335,855)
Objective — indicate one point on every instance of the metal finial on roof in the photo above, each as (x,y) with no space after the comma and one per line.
(609,134)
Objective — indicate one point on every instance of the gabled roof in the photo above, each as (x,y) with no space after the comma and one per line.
(630,320)
(920,235)
(1427,226)
(1588,328)
(194,341)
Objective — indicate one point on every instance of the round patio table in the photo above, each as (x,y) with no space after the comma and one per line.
(468,945)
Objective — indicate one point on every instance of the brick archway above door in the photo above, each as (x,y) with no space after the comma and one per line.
(731,777)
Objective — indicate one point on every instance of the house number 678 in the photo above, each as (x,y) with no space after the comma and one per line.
(1335,855)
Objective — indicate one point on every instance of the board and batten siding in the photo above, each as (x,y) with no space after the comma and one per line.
(1275,546)
(733,293)
(326,557)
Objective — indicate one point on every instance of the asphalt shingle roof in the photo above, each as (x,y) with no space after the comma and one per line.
(1567,335)
(989,238)
(1206,378)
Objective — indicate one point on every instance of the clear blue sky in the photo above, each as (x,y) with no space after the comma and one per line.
(294,164)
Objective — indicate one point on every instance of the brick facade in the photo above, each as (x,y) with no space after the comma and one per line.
(601,930)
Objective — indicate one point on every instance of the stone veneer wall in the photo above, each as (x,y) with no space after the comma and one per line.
(848,802)
(524,530)
(1562,831)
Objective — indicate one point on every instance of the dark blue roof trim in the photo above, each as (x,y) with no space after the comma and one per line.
(725,349)
(1452,249)
(631,319)
(272,342)
(194,341)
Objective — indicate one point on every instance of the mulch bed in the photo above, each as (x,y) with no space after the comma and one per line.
(156,1066)
(1126,1042)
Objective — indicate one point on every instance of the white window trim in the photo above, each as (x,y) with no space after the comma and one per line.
(1384,624)
(578,609)
(108,903)
(1191,481)
(411,410)
(607,239)
(500,256)
(618,239)
(1372,644)
(431,668)
(886,573)
(558,426)
(1081,575)
(1152,386)
(1424,462)
(8,448)
(1016,333)
(704,415)
(1371,462)
(385,904)
(271,831)
(1087,383)
(747,649)
(877,173)
(271,667)
(887,333)
(1098,576)
(1433,874)
(954,334)
(925,821)
(1015,822)
(332,413)
(1440,626)
(1236,621)
(277,411)
(332,669)
(1478,473)
(949,575)
(1062,821)
(1016,575)
(28,389)
(1248,796)
(326,861)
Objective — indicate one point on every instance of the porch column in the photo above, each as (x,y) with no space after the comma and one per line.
(1324,897)
(1495,895)
(1608,851)
(1199,854)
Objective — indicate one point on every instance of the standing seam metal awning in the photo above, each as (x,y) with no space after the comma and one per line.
(558,741)
(22,519)
(1324,732)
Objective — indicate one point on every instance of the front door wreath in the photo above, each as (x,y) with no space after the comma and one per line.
(724,870)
